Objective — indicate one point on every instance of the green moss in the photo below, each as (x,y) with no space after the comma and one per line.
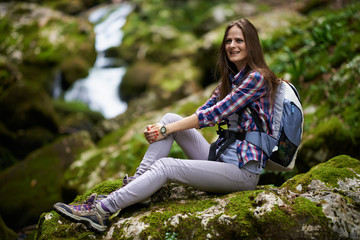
(279,219)
(330,172)
(190,224)
(241,205)
(310,211)
(57,227)
(102,188)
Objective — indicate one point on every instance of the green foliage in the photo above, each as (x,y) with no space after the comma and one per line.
(170,30)
(184,15)
(171,236)
(322,42)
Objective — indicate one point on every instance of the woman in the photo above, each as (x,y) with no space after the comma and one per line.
(246,80)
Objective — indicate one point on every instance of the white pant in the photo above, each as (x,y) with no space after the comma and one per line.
(156,169)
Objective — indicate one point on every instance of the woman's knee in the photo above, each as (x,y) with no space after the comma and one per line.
(170,118)
(162,165)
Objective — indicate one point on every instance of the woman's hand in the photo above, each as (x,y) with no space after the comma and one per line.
(152,133)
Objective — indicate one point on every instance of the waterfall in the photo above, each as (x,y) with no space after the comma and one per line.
(100,88)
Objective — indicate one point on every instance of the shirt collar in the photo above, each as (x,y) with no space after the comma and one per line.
(237,78)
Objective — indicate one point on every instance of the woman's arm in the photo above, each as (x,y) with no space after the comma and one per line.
(152,132)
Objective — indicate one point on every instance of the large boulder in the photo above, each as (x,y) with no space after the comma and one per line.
(320,204)
(43,40)
(42,44)
(5,232)
(34,184)
(28,118)
(136,79)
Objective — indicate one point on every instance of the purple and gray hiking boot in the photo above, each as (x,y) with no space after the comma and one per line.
(126,180)
(94,215)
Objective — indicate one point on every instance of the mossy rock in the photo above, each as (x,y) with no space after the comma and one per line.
(9,74)
(136,79)
(42,39)
(326,140)
(267,212)
(5,232)
(77,116)
(330,172)
(34,184)
(73,69)
(42,42)
(26,110)
(175,81)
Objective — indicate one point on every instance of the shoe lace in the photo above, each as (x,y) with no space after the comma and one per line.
(83,206)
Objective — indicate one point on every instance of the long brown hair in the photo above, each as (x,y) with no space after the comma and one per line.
(255,59)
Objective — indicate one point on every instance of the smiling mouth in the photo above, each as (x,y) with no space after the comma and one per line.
(234,53)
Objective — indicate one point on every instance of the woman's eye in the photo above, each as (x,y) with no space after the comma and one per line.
(228,41)
(239,40)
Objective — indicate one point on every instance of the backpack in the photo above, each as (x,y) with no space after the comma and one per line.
(287,130)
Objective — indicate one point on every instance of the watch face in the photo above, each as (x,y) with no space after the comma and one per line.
(163,129)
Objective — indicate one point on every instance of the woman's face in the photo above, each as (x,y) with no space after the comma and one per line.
(235,47)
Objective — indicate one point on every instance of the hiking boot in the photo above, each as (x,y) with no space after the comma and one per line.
(92,214)
(126,180)
(93,197)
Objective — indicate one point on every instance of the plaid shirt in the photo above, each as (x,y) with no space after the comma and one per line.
(248,91)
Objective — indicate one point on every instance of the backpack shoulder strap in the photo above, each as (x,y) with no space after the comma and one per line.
(255,117)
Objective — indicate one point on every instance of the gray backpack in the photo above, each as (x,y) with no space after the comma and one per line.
(287,129)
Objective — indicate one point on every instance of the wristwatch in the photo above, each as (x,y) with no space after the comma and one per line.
(163,131)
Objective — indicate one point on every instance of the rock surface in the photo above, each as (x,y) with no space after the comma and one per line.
(307,206)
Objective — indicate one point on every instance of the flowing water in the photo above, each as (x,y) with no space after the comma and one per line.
(100,89)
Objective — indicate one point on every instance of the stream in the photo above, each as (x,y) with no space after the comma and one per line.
(100,89)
